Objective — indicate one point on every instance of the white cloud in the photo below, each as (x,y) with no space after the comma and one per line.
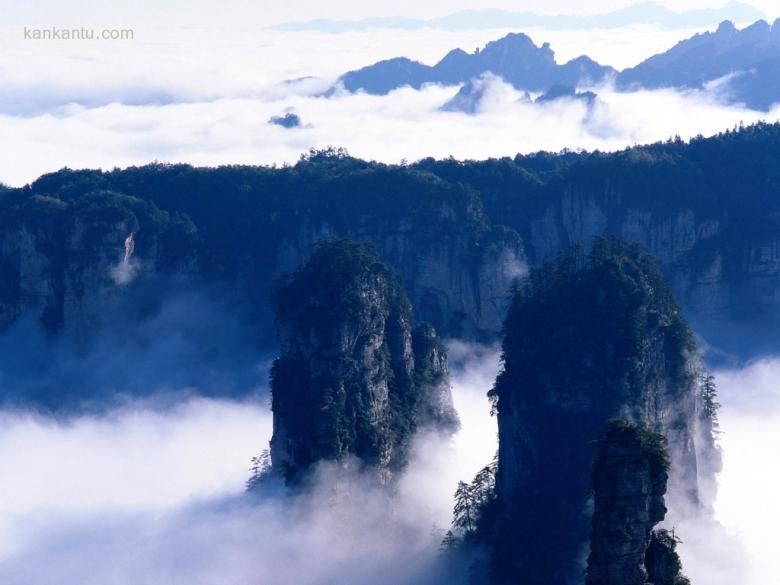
(747,500)
(147,496)
(405,124)
(204,96)
(737,546)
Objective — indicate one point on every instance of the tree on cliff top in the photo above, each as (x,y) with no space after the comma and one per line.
(615,296)
(355,377)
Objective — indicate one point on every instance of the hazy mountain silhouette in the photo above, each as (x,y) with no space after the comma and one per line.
(515,58)
(751,57)
(641,13)
(741,66)
(567,92)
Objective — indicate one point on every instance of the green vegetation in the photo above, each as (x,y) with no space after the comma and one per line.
(662,560)
(260,470)
(588,337)
(708,394)
(653,445)
(617,299)
(473,509)
(238,221)
(328,289)
(346,383)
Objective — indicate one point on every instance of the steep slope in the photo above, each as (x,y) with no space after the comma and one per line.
(254,223)
(707,210)
(62,261)
(586,340)
(750,55)
(354,376)
(452,230)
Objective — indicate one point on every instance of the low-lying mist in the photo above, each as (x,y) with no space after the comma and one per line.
(163,341)
(747,502)
(151,494)
(406,124)
(176,100)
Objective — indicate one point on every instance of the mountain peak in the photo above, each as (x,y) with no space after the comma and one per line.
(758,28)
(513,41)
(726,27)
(515,58)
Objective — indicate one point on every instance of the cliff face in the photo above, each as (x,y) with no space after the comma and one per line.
(354,377)
(65,262)
(452,230)
(629,483)
(694,248)
(586,340)
(707,210)
(456,267)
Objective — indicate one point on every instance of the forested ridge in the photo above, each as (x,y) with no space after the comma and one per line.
(707,208)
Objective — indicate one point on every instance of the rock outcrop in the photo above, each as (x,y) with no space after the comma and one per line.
(630,473)
(662,562)
(455,264)
(586,340)
(354,378)
(63,261)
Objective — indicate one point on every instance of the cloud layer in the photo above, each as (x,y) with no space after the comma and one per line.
(205,96)
(147,493)
(406,124)
(144,494)
(747,501)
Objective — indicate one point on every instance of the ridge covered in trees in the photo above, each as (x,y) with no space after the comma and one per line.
(588,338)
(238,223)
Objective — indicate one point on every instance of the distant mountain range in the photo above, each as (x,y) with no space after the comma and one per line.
(743,65)
(751,57)
(642,13)
(515,58)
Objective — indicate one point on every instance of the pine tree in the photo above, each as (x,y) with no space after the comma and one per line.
(260,469)
(709,399)
(465,510)
(450,542)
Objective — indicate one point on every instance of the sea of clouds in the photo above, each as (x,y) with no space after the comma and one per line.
(146,493)
(204,96)
(153,491)
(150,490)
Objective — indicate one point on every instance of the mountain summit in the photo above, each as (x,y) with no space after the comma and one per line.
(515,58)
(750,57)
(742,66)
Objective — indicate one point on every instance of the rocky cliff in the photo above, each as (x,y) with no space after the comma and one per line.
(450,229)
(707,210)
(455,264)
(244,226)
(691,245)
(354,378)
(630,473)
(587,339)
(63,262)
